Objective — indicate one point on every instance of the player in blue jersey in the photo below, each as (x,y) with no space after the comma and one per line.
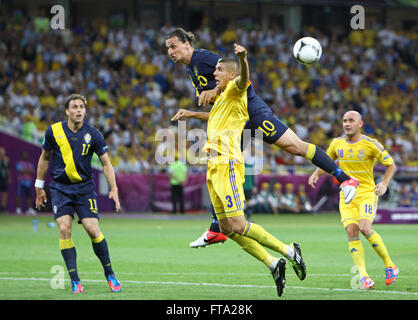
(72,144)
(201,65)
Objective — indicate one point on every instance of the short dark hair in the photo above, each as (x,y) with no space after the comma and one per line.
(181,34)
(231,62)
(75,96)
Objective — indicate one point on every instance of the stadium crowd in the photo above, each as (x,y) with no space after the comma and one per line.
(133,89)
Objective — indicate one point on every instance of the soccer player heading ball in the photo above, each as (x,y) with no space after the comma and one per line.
(201,65)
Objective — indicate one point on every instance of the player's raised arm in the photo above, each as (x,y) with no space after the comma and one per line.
(244,76)
(110,177)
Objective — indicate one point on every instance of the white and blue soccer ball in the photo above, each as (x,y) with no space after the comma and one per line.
(307,50)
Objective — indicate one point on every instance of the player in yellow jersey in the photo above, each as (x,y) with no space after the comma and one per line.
(225,172)
(357,154)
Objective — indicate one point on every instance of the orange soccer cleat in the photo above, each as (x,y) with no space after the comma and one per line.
(391,274)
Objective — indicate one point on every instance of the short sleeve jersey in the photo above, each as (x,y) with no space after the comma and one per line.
(358,159)
(226,121)
(73,151)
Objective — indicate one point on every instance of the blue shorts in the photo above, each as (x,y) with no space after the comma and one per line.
(66,203)
(270,125)
(24,189)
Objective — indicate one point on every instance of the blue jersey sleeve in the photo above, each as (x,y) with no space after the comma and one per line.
(100,146)
(210,59)
(48,139)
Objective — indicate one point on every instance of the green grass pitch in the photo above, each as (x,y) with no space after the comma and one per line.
(153,261)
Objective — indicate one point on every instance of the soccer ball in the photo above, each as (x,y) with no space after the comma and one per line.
(307,50)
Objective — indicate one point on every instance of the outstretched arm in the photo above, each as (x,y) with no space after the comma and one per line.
(183,113)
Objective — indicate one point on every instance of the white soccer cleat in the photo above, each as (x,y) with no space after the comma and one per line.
(208,237)
(349,189)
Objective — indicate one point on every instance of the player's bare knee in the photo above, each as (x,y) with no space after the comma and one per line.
(93,231)
(238,227)
(367,231)
(225,230)
(352,231)
(64,230)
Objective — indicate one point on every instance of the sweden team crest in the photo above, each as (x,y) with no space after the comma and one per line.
(87,138)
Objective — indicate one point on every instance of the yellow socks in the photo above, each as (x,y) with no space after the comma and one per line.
(357,254)
(254,238)
(377,244)
(253,248)
(66,244)
(256,232)
(98,239)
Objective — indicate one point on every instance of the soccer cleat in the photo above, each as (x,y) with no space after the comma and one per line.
(297,262)
(114,284)
(366,283)
(349,189)
(208,237)
(77,287)
(279,276)
(391,274)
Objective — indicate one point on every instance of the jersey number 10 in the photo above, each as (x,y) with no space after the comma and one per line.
(268,126)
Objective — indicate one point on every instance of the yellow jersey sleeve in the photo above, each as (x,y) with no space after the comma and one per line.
(381,153)
(232,89)
(332,149)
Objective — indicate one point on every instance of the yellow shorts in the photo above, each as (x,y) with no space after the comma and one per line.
(363,206)
(224,181)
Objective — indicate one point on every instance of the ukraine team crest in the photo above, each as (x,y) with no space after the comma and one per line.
(87,138)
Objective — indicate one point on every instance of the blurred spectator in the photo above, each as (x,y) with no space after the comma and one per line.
(177,173)
(405,196)
(124,165)
(5,179)
(289,199)
(251,204)
(248,187)
(303,200)
(25,177)
(414,194)
(128,77)
(262,199)
(29,131)
(276,199)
